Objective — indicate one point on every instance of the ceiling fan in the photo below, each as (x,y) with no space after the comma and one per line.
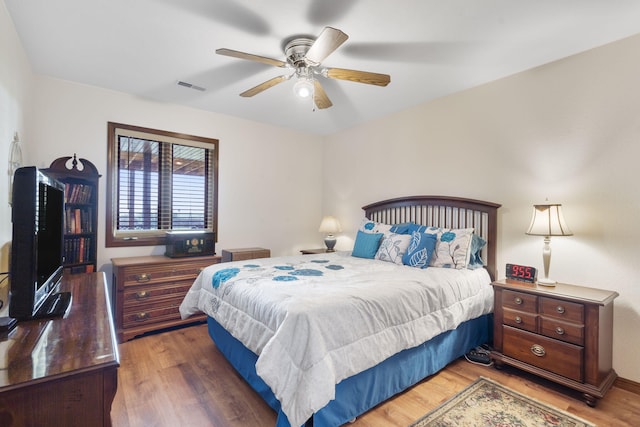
(304,56)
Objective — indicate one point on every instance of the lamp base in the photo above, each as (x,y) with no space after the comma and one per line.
(330,242)
(545,281)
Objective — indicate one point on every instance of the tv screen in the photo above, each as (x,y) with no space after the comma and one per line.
(37,243)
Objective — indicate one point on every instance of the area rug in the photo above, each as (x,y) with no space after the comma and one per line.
(487,403)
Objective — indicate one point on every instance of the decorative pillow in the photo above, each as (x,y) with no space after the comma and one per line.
(420,250)
(477,243)
(366,244)
(369,226)
(393,247)
(453,247)
(407,228)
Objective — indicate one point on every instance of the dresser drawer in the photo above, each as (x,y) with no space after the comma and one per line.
(520,301)
(154,274)
(150,294)
(520,319)
(552,355)
(564,310)
(139,315)
(569,332)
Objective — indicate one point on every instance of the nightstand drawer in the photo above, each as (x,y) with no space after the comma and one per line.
(520,301)
(520,319)
(565,310)
(552,355)
(569,332)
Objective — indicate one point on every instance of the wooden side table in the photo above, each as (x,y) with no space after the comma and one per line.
(62,371)
(561,333)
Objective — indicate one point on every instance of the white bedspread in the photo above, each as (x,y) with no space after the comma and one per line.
(314,320)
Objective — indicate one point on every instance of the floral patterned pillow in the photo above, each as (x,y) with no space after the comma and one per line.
(453,247)
(393,247)
(368,226)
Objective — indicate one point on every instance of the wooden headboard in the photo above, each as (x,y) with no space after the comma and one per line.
(443,211)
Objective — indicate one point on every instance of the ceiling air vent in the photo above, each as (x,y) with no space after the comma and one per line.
(192,86)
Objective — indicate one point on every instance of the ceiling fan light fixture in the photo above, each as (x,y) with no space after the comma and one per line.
(303,88)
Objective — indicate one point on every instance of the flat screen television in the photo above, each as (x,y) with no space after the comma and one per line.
(37,214)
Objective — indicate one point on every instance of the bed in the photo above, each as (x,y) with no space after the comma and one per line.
(324,338)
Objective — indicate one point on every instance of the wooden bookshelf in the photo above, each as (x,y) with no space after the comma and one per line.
(80,178)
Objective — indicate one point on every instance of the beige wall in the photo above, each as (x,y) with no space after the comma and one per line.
(269,177)
(568,131)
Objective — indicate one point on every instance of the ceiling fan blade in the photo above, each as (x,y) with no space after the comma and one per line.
(264,86)
(251,57)
(320,97)
(358,76)
(329,40)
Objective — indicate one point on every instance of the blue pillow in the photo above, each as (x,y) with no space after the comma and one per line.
(366,244)
(421,248)
(407,228)
(477,243)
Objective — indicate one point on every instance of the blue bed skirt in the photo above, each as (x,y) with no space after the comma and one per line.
(359,393)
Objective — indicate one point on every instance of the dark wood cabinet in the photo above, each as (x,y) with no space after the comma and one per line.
(80,179)
(148,291)
(562,333)
(62,371)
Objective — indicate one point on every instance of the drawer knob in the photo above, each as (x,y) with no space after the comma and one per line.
(518,300)
(142,278)
(141,317)
(538,350)
(142,295)
(518,319)
(559,330)
(560,309)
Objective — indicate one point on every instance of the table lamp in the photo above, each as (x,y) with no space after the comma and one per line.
(548,221)
(329,225)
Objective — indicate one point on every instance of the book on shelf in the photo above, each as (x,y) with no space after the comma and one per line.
(77,193)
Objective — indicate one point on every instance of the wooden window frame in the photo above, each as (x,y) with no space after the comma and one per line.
(113,238)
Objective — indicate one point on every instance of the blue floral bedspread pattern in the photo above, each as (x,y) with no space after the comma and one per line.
(314,320)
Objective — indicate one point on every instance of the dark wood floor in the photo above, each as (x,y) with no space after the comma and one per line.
(179,378)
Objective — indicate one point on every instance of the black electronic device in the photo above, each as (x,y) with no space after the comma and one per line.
(37,213)
(521,273)
(190,243)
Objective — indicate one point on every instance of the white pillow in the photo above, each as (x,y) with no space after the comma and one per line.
(393,247)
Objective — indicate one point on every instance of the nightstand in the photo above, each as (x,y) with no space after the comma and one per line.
(314,251)
(243,254)
(562,333)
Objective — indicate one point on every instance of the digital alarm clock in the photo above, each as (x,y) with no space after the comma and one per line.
(522,273)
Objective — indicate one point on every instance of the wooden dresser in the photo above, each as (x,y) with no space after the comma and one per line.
(63,371)
(242,254)
(562,333)
(148,291)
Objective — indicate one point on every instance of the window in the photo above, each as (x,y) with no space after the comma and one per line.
(159,181)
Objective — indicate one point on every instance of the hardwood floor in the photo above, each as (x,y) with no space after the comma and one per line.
(178,378)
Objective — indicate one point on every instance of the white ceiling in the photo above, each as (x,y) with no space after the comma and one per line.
(430,48)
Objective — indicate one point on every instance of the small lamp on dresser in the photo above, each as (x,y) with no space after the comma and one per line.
(547,221)
(329,226)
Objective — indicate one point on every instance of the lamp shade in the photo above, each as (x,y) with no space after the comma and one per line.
(329,225)
(547,220)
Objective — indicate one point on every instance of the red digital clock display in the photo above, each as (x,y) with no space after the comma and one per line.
(522,273)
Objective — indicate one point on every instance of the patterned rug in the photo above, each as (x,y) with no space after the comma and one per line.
(487,403)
